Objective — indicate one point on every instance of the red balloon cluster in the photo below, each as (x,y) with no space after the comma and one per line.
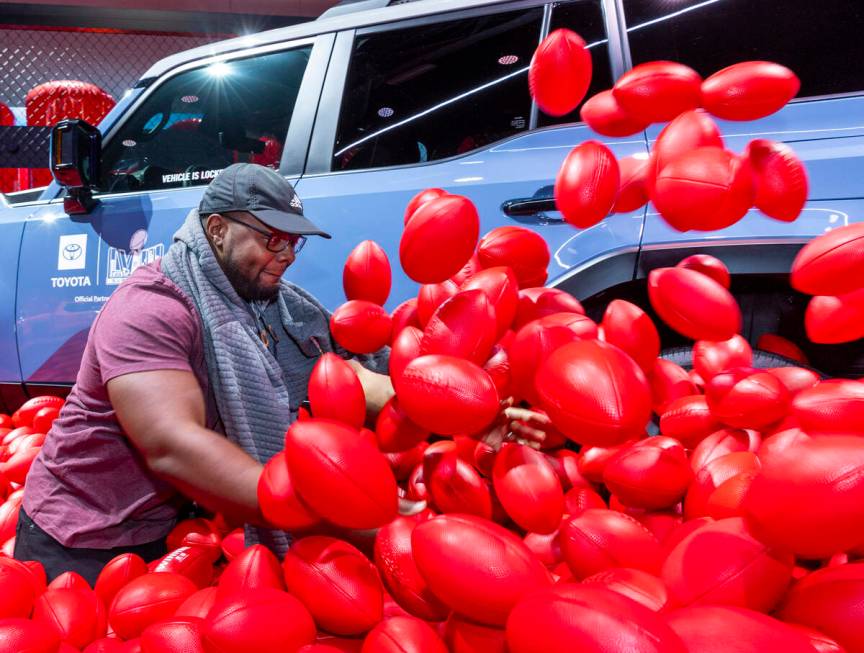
(693,181)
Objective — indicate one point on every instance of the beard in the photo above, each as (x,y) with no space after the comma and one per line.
(247,288)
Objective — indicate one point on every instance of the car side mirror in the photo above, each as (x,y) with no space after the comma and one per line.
(76,153)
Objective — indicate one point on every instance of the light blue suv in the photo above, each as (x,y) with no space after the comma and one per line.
(371,103)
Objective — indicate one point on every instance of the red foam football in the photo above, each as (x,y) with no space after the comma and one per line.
(795,379)
(199,604)
(780,177)
(835,319)
(256,567)
(711,357)
(528,488)
(688,420)
(405,348)
(404,315)
(447,395)
(632,191)
(117,573)
(468,270)
(522,250)
(781,346)
(336,582)
(360,327)
(439,238)
(535,303)
(17,589)
(712,475)
(146,600)
(25,414)
(44,418)
(366,274)
(831,601)
(629,328)
(705,189)
(658,91)
(502,289)
(403,635)
(340,475)
(651,474)
(596,540)
(193,562)
(560,72)
(263,620)
(749,90)
(572,617)
(533,344)
(498,368)
(465,636)
(722,563)
(606,116)
(431,296)
(720,629)
(454,484)
(395,431)
(464,326)
(693,304)
(809,497)
(669,381)
(335,391)
(637,585)
(722,442)
(690,130)
(420,199)
(708,265)
(747,400)
(18,634)
(831,264)
(76,615)
(478,568)
(395,561)
(278,499)
(175,635)
(594,393)
(831,408)
(587,184)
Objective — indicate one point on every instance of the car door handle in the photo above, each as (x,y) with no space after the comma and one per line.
(531,209)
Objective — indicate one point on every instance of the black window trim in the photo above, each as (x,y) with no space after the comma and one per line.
(320,161)
(300,128)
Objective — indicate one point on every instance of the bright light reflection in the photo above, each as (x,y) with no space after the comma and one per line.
(219,69)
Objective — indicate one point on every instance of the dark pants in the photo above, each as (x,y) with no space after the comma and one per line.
(32,543)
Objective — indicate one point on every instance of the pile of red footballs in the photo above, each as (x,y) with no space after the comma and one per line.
(740,527)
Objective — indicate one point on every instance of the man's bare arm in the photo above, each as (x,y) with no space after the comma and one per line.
(162,413)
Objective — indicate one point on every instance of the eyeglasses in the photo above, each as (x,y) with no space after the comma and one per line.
(276,242)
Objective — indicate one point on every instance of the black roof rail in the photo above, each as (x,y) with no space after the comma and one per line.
(352,6)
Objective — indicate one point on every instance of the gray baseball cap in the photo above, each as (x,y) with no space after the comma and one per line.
(261,191)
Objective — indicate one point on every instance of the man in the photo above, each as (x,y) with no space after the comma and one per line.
(206,341)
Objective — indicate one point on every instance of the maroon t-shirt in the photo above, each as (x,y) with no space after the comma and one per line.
(89,486)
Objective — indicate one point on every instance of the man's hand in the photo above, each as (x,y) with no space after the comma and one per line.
(377,387)
(519,425)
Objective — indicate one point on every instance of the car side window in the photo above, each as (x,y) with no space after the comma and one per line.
(428,92)
(203,120)
(821,41)
(585,17)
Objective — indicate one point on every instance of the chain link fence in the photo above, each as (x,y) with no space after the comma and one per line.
(30,57)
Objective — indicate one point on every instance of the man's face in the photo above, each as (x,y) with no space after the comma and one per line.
(253,270)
